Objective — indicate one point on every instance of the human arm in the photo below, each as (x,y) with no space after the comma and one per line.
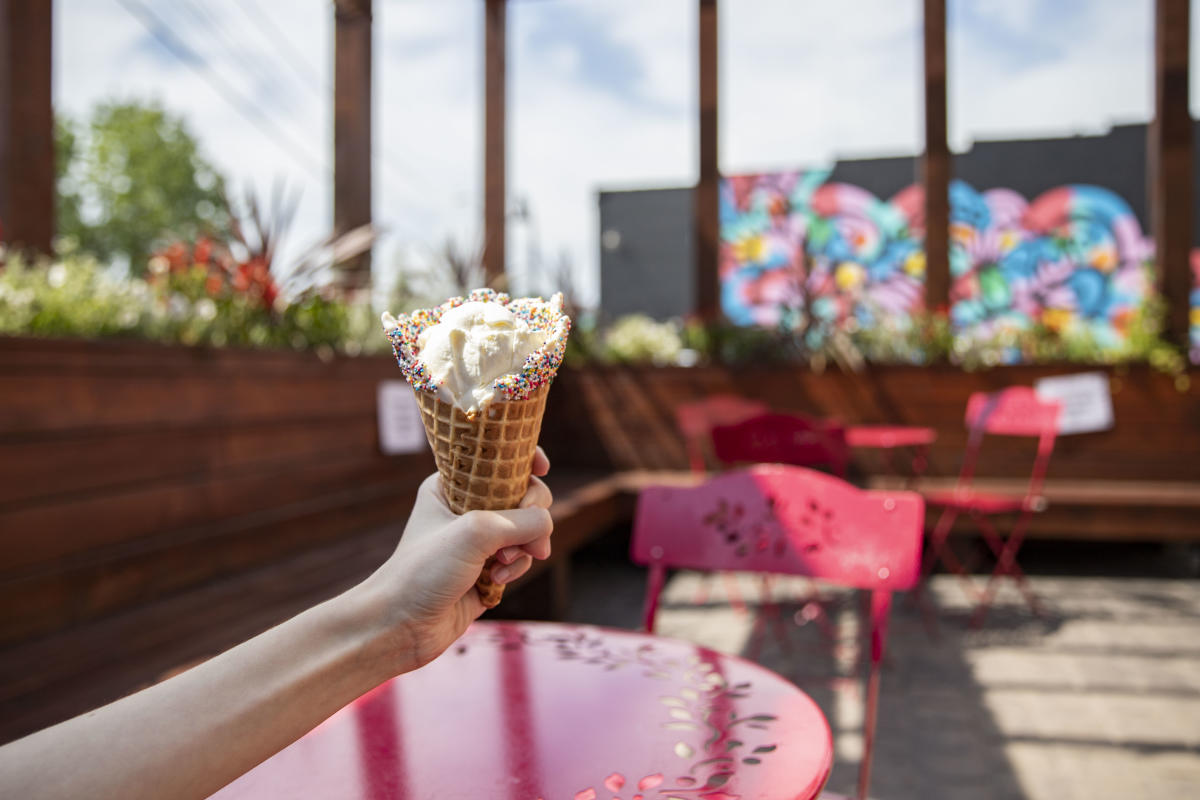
(190,735)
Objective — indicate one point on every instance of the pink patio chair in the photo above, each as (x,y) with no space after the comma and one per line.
(1016,411)
(696,421)
(776,438)
(778,519)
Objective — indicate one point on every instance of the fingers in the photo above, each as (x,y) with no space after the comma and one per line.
(541,464)
(539,549)
(502,573)
(538,494)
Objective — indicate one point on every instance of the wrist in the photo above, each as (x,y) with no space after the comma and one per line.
(385,640)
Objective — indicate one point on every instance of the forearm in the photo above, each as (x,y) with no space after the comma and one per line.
(191,735)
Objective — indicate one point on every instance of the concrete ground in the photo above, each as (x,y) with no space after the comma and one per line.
(1099,698)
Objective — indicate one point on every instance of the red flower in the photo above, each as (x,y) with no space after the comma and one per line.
(177,256)
(203,251)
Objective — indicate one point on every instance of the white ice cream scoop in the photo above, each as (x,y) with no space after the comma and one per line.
(473,345)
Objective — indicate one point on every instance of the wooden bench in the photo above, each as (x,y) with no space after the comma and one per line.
(1094,510)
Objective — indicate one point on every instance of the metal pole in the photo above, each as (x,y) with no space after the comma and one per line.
(26,125)
(706,202)
(935,165)
(1170,153)
(352,130)
(494,188)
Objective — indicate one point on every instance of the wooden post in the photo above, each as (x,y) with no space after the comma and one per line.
(493,142)
(26,125)
(1170,169)
(352,130)
(935,165)
(706,222)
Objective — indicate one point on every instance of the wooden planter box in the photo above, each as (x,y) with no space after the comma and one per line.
(623,418)
(129,471)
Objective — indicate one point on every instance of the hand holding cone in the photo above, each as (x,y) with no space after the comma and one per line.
(485,461)
(484,454)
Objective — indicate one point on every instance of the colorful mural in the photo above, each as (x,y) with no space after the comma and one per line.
(794,244)
(1195,310)
(798,248)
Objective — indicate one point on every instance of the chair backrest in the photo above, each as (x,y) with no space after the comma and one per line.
(1016,411)
(791,520)
(783,439)
(783,519)
(697,419)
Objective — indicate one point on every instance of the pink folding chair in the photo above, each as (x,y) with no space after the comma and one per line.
(1016,411)
(778,519)
(696,421)
(776,438)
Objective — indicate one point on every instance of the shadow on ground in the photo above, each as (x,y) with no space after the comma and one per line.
(1098,698)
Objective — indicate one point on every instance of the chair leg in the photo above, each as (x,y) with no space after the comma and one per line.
(812,609)
(769,606)
(937,542)
(869,718)
(1006,566)
(933,553)
(734,592)
(919,462)
(880,611)
(756,636)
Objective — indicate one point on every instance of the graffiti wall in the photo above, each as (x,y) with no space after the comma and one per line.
(1194,331)
(794,244)
(797,247)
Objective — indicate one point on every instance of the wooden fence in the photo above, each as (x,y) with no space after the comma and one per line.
(1139,480)
(130,471)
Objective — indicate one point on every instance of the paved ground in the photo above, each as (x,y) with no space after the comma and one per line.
(1101,698)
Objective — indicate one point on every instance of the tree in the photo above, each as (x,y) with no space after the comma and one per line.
(131,179)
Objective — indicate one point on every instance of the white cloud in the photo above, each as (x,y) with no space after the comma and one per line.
(801,84)
(1094,67)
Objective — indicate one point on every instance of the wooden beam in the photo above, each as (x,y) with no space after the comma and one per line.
(352,130)
(494,189)
(706,222)
(935,165)
(27,188)
(1170,151)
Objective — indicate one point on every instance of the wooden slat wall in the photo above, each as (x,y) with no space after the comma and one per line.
(131,471)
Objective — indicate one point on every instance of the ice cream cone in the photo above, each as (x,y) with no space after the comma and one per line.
(485,459)
(481,367)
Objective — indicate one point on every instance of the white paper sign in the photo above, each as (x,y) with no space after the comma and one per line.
(1085,398)
(400,427)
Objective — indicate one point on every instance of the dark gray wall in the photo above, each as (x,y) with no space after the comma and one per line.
(651,272)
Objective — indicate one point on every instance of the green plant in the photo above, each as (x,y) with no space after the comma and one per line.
(129,179)
(921,339)
(78,297)
(637,338)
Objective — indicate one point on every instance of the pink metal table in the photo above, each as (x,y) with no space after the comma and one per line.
(888,438)
(539,710)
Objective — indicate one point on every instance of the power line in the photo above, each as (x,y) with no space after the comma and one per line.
(283,46)
(297,63)
(182,52)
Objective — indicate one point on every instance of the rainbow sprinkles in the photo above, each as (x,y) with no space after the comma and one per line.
(539,368)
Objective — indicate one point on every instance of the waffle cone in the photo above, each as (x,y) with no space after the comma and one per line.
(485,461)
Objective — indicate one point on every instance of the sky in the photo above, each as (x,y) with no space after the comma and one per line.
(601,96)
